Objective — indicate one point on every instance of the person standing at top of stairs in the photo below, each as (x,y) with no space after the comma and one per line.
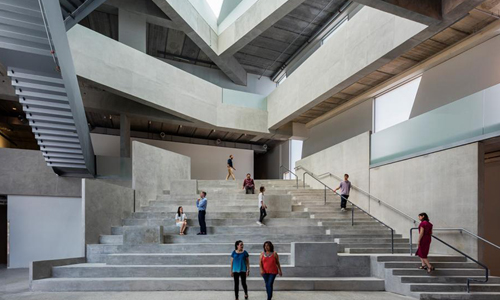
(230,168)
(249,185)
(262,206)
(201,204)
(345,188)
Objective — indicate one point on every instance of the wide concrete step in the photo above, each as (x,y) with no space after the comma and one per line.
(371,241)
(248,222)
(102,270)
(254,238)
(205,284)
(211,214)
(437,265)
(446,279)
(111,239)
(448,287)
(376,245)
(322,208)
(254,201)
(182,258)
(381,250)
(193,209)
(439,272)
(432,258)
(459,296)
(256,229)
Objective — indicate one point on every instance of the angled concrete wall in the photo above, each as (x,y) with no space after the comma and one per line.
(105,205)
(367,41)
(153,169)
(352,157)
(147,80)
(444,184)
(25,172)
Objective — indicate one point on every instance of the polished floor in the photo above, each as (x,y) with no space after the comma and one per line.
(14,286)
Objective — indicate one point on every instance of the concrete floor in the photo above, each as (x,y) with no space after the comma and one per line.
(14,286)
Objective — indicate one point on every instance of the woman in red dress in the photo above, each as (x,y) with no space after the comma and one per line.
(424,242)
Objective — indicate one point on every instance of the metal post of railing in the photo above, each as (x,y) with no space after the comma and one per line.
(411,241)
(392,241)
(352,213)
(325,194)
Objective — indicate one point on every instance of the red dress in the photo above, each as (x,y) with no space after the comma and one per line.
(425,242)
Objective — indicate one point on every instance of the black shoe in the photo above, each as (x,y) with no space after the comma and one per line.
(199,233)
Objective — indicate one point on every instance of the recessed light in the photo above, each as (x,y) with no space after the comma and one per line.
(14,108)
(180,126)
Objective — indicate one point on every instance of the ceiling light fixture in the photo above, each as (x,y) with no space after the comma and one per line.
(14,108)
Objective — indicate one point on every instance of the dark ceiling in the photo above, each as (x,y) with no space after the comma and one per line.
(269,51)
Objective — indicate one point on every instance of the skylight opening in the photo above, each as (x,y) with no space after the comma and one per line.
(216,6)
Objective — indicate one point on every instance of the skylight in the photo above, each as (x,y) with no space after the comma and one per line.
(216,6)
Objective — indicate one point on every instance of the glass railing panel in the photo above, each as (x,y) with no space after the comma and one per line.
(492,109)
(448,124)
(244,99)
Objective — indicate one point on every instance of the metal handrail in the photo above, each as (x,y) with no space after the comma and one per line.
(450,246)
(352,205)
(369,195)
(289,171)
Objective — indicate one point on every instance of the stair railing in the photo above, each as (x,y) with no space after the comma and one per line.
(486,275)
(370,196)
(289,171)
(352,206)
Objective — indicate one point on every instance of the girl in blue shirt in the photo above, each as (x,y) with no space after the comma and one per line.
(240,267)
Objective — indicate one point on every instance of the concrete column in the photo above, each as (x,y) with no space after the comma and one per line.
(132,29)
(124,136)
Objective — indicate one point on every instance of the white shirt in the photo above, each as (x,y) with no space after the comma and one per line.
(180,218)
(261,199)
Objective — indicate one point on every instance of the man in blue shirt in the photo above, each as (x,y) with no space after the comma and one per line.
(201,204)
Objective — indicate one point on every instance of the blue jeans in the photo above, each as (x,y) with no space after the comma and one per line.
(269,280)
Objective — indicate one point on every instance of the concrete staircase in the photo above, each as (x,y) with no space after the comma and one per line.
(193,262)
(319,249)
(448,281)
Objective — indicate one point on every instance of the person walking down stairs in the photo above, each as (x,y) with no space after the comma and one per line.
(345,188)
(181,220)
(230,168)
(262,206)
(424,242)
(269,267)
(240,268)
(201,204)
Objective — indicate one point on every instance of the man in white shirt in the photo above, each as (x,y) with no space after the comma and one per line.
(262,206)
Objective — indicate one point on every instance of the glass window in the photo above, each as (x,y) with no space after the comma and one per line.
(395,106)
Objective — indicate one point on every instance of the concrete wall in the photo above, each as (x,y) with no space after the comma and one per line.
(207,162)
(147,80)
(463,75)
(444,184)
(367,37)
(351,156)
(344,126)
(105,205)
(25,172)
(490,216)
(153,169)
(43,228)
(262,86)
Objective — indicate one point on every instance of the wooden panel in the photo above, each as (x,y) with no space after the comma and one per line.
(374,78)
(186,130)
(424,50)
(398,65)
(449,36)
(356,89)
(473,22)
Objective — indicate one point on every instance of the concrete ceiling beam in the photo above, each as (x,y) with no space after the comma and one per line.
(428,12)
(187,18)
